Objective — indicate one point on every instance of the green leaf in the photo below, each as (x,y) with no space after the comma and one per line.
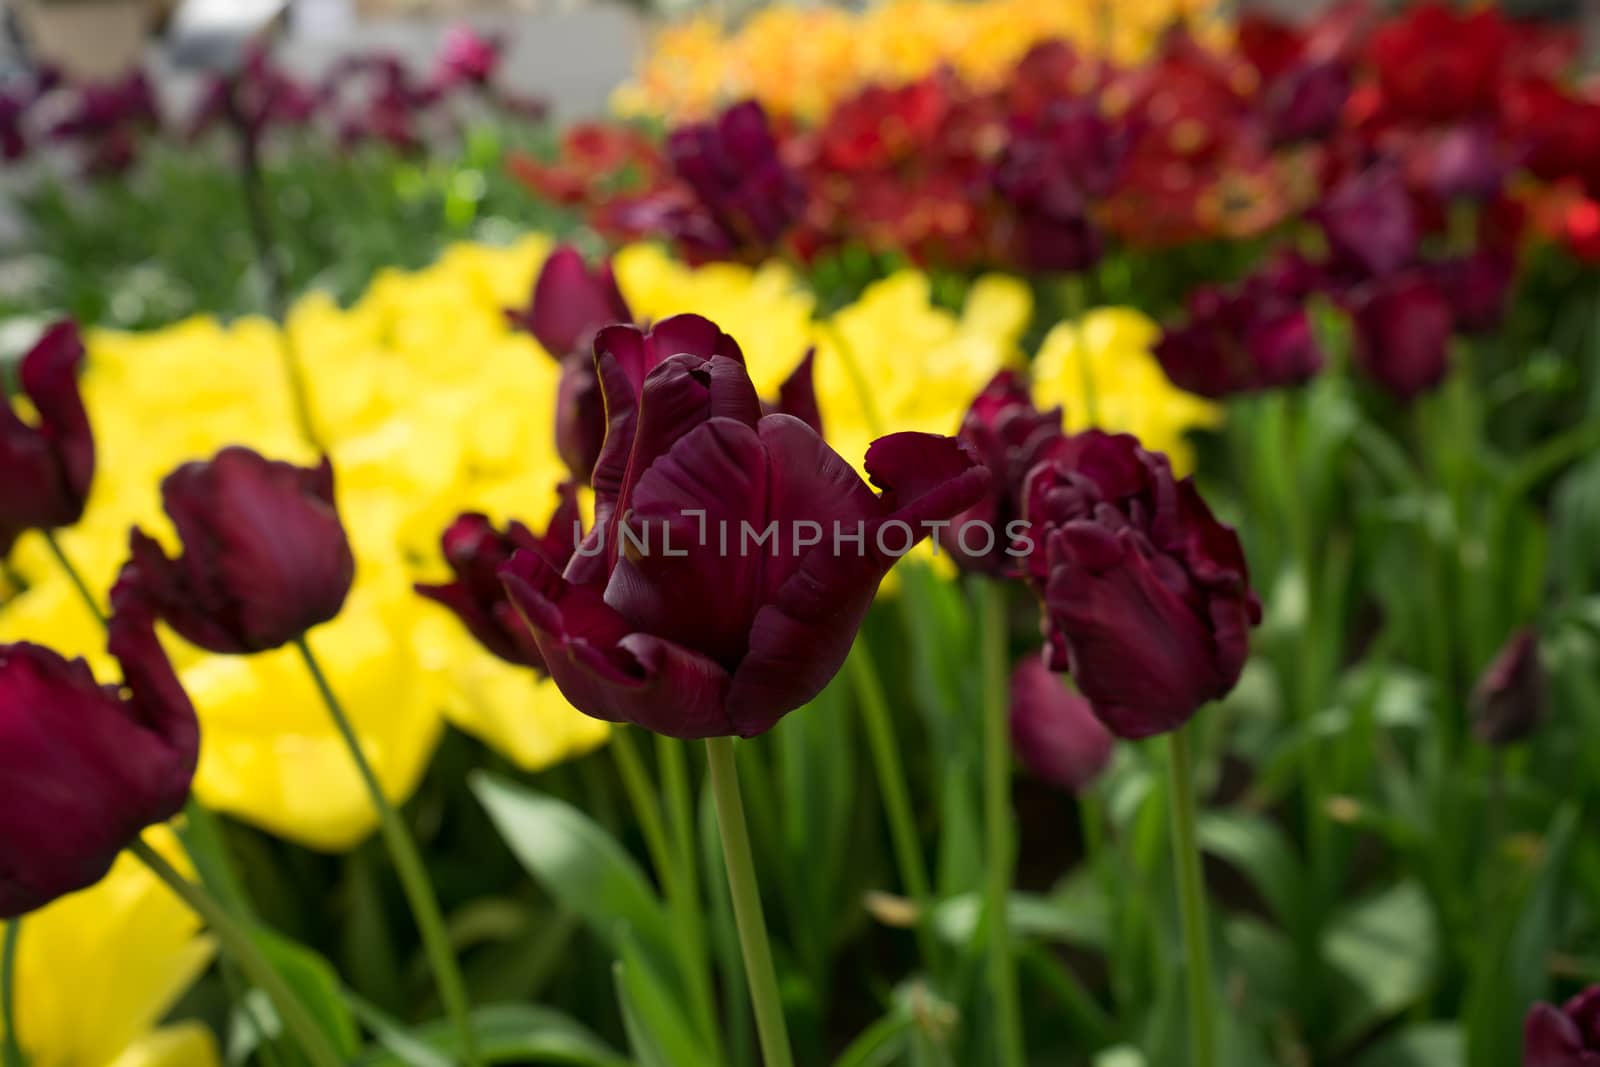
(655,1008)
(1259,850)
(316,983)
(1425,1045)
(506,1033)
(1383,951)
(579,864)
(1030,915)
(879,1045)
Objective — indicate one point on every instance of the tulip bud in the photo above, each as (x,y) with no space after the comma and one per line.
(1478,288)
(1009,434)
(1147,596)
(45,470)
(87,767)
(1568,1036)
(570,303)
(476,551)
(734,554)
(265,557)
(1053,728)
(1402,331)
(1508,701)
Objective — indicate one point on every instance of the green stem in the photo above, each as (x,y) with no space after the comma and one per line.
(759,971)
(858,379)
(236,942)
(646,802)
(1074,302)
(997,819)
(408,865)
(896,795)
(1191,900)
(10,1045)
(77,579)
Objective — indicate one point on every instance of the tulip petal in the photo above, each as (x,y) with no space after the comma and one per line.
(50,378)
(1551,1039)
(570,303)
(609,673)
(797,395)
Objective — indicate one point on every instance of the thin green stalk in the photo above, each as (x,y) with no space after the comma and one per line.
(236,942)
(896,795)
(997,820)
(760,974)
(858,379)
(1074,301)
(408,865)
(77,579)
(670,754)
(10,1046)
(646,804)
(1191,900)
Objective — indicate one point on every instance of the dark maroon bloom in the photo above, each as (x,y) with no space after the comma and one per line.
(265,557)
(1258,337)
(476,551)
(1053,728)
(723,583)
(45,470)
(1305,103)
(466,57)
(87,767)
(570,303)
(1369,222)
(13,112)
(1009,435)
(1508,701)
(257,97)
(797,395)
(109,107)
(1052,170)
(1478,288)
(1568,1036)
(1403,327)
(738,178)
(1147,597)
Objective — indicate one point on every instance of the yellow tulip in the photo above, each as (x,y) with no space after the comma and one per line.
(1104,363)
(99,969)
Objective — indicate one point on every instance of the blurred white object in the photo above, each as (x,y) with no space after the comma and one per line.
(320,19)
(211,34)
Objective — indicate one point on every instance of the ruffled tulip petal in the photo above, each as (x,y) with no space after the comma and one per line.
(570,303)
(610,672)
(1551,1039)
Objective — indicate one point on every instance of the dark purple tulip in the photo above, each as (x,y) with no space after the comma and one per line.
(1568,1036)
(1508,701)
(1369,222)
(45,470)
(1403,326)
(13,113)
(738,177)
(1305,102)
(1051,169)
(715,593)
(476,551)
(1478,288)
(570,303)
(1053,729)
(1239,342)
(87,767)
(797,395)
(1147,596)
(265,557)
(1009,435)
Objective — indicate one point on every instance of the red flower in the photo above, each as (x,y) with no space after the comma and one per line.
(87,767)
(712,597)
(45,470)
(1146,596)
(1436,63)
(264,559)
(1054,731)
(476,552)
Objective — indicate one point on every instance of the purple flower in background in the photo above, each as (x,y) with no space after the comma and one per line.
(1477,287)
(1054,731)
(738,178)
(1568,1036)
(1369,223)
(46,469)
(1304,103)
(1052,169)
(466,57)
(1403,325)
(1508,701)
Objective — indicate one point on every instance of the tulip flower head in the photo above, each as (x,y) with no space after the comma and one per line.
(1054,731)
(1009,434)
(476,551)
(1509,700)
(1369,223)
(747,192)
(1147,599)
(265,557)
(734,554)
(1403,326)
(1568,1036)
(46,470)
(87,767)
